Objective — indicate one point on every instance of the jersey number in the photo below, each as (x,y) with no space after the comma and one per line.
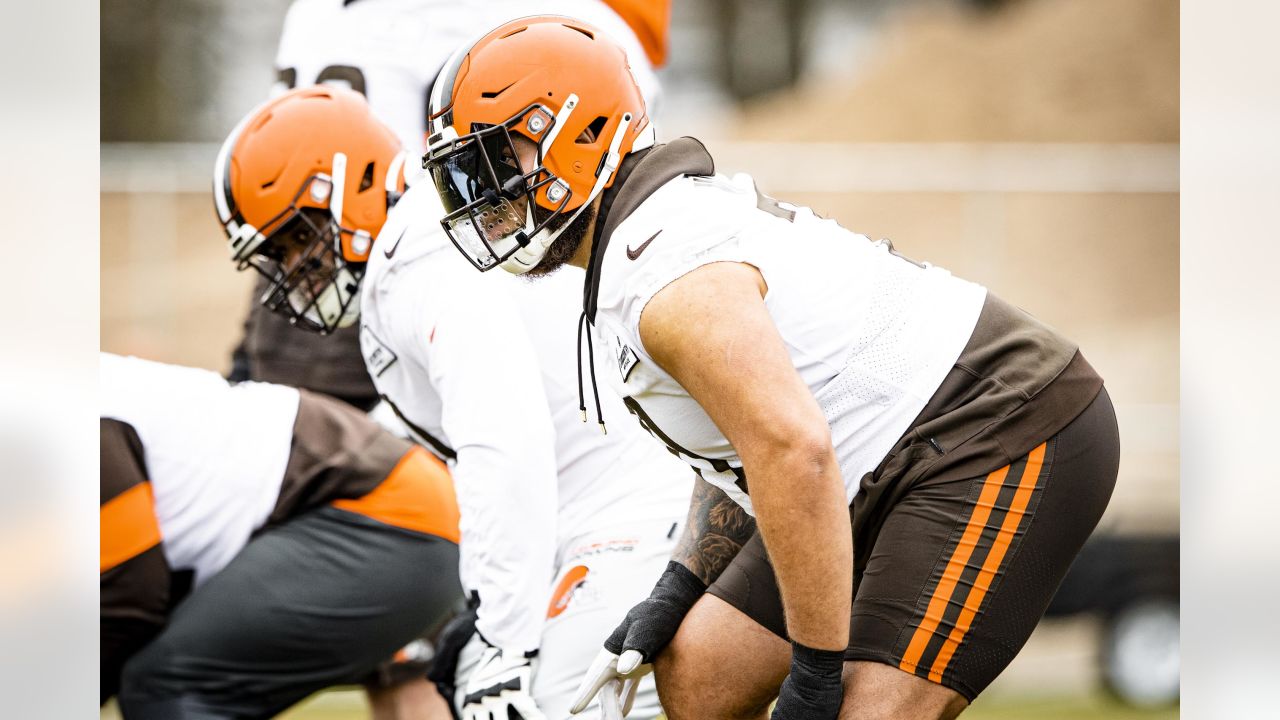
(775,208)
(349,75)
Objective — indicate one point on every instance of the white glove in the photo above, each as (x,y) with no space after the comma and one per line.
(618,678)
(500,681)
(647,629)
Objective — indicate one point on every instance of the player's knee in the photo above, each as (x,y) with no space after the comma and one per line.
(148,687)
(162,682)
(688,690)
(143,676)
(695,676)
(874,691)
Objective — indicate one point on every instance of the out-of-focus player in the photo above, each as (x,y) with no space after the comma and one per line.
(390,51)
(564,527)
(258,543)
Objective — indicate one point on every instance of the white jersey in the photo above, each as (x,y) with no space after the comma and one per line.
(482,367)
(871,333)
(215,453)
(392,50)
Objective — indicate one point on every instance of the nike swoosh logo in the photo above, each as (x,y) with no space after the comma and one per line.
(392,250)
(633,254)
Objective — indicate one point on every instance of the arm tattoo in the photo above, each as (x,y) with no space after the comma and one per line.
(715,531)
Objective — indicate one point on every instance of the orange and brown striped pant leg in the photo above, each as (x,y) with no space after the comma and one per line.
(961,571)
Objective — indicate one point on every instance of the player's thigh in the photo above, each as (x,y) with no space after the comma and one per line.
(315,602)
(961,571)
(601,576)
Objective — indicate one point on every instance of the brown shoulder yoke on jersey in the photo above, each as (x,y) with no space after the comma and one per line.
(337,452)
(341,457)
(639,176)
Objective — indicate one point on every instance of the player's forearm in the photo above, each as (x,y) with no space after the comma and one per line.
(714,532)
(508,541)
(799,501)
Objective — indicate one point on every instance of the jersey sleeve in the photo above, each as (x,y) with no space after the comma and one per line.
(686,224)
(495,414)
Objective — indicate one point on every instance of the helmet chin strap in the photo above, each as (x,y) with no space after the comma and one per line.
(527,257)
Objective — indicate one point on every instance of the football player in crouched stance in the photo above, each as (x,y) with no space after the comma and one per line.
(920,459)
(258,543)
(564,527)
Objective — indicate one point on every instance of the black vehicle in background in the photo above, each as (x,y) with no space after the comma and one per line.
(1130,582)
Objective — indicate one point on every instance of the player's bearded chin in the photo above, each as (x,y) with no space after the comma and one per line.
(565,246)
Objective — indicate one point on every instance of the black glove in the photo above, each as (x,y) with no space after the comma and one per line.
(449,643)
(813,690)
(649,626)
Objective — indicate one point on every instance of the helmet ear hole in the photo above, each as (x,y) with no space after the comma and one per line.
(592,131)
(366,182)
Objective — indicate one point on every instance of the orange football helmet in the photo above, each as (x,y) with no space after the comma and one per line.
(556,81)
(301,186)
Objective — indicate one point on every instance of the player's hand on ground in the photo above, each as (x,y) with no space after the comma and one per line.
(501,681)
(813,690)
(614,679)
(645,632)
(449,646)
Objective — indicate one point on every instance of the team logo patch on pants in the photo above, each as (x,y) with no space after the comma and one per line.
(563,594)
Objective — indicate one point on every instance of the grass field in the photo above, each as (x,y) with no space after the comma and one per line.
(345,705)
(1098,707)
(350,706)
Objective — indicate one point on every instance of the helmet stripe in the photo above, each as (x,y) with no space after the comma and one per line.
(223,199)
(392,181)
(439,115)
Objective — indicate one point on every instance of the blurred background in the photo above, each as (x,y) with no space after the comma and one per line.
(1030,145)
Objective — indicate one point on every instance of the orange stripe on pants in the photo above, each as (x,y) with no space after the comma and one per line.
(417,495)
(955,568)
(127,526)
(1012,519)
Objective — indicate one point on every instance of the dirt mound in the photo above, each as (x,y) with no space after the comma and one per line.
(1039,71)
